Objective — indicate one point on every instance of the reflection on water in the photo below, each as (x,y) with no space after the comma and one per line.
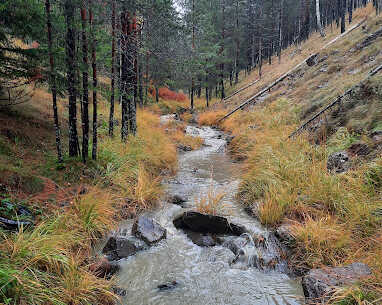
(204,275)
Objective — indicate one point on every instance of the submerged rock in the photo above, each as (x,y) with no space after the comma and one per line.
(168,286)
(202,239)
(339,162)
(264,252)
(119,247)
(235,244)
(182,147)
(204,223)
(319,284)
(120,291)
(148,230)
(177,200)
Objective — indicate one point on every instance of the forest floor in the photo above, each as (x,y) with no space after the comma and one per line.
(334,219)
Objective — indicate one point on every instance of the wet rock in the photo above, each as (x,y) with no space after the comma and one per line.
(103,268)
(318,284)
(284,234)
(148,230)
(312,60)
(229,139)
(235,244)
(118,247)
(204,223)
(264,252)
(168,286)
(338,162)
(182,147)
(177,200)
(120,291)
(201,239)
(359,149)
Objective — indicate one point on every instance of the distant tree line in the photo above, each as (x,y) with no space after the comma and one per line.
(195,45)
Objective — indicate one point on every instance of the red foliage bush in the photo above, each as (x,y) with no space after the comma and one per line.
(166,94)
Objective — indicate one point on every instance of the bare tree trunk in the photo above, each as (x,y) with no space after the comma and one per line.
(222,52)
(193,50)
(95,83)
(124,75)
(342,10)
(85,86)
(53,84)
(237,53)
(280,29)
(70,61)
(318,14)
(134,82)
(112,98)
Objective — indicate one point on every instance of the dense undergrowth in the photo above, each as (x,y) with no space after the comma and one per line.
(74,205)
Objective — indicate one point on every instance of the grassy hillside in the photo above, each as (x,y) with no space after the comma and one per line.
(73,204)
(334,219)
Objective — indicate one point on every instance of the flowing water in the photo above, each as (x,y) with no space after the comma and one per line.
(203,275)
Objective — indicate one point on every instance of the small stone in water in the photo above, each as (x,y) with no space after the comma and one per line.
(168,286)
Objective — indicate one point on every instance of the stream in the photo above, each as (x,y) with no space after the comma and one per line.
(203,275)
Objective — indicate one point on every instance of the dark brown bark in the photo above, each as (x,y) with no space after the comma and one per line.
(53,85)
(193,50)
(70,62)
(95,82)
(85,86)
(112,97)
(124,76)
(222,52)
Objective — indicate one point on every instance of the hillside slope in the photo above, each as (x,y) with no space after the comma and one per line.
(323,186)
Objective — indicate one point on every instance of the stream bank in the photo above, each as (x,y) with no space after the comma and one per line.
(178,271)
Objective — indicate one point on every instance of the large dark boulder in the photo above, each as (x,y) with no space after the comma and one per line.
(118,247)
(319,284)
(148,230)
(204,223)
(339,162)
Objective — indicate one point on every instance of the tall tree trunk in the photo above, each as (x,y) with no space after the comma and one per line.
(124,75)
(207,95)
(70,62)
(343,9)
(193,50)
(280,29)
(237,53)
(95,83)
(318,14)
(222,52)
(133,80)
(351,5)
(112,98)
(85,86)
(53,84)
(156,94)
